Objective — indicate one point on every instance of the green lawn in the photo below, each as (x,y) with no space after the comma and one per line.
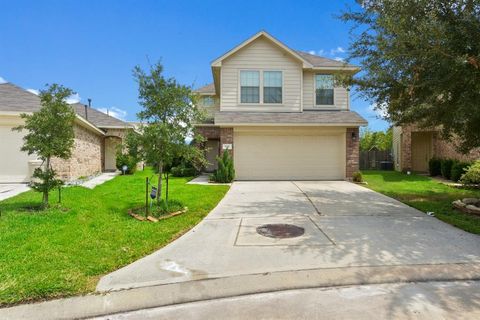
(425,194)
(64,252)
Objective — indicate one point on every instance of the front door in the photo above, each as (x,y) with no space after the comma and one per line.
(421,150)
(212,147)
(110,151)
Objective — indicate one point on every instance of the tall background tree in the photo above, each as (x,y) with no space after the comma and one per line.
(49,134)
(169,114)
(382,140)
(421,63)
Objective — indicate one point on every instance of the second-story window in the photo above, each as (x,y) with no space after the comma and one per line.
(272,87)
(324,89)
(249,86)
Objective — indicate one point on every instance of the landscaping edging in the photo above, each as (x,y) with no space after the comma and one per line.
(155,219)
(468,205)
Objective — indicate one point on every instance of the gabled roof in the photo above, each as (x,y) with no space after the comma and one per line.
(206,90)
(218,62)
(98,118)
(16,99)
(321,62)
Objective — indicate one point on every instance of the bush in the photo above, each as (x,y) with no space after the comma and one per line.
(458,169)
(472,175)
(446,168)
(183,171)
(225,172)
(435,167)
(357,177)
(126,160)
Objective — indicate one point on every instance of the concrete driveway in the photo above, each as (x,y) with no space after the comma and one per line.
(8,190)
(347,227)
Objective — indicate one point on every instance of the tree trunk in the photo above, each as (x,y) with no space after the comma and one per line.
(45,191)
(166,189)
(159,186)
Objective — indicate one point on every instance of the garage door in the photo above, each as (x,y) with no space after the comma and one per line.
(284,155)
(13,162)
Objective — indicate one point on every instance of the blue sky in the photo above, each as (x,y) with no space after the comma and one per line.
(92,46)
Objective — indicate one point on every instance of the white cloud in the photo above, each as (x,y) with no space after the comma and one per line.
(2,80)
(74,98)
(34,91)
(337,50)
(114,112)
(380,112)
(338,58)
(320,52)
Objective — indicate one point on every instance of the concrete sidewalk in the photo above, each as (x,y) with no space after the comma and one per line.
(100,179)
(11,190)
(117,302)
(432,300)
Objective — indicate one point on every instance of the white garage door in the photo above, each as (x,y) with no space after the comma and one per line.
(13,162)
(289,155)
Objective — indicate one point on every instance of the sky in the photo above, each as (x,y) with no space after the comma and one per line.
(92,46)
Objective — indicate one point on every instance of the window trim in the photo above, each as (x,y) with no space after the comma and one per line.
(315,105)
(261,103)
(205,97)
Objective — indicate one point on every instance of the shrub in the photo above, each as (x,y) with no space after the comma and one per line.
(124,159)
(446,168)
(183,171)
(225,172)
(458,169)
(435,167)
(357,177)
(472,175)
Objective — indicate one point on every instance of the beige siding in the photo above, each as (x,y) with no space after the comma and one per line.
(340,94)
(261,54)
(397,148)
(209,110)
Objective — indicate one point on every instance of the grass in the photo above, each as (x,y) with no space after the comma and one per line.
(425,194)
(64,250)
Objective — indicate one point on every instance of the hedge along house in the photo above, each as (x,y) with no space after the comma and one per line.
(413,147)
(281,113)
(96,137)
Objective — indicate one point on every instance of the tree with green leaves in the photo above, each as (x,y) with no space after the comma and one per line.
(382,140)
(49,134)
(168,114)
(421,63)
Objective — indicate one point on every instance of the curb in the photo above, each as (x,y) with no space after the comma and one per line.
(208,289)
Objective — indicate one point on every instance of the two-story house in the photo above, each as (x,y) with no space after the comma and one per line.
(281,113)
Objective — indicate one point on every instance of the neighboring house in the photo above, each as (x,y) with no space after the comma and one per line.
(96,138)
(281,113)
(413,147)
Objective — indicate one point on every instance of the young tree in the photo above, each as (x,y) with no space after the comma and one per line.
(49,134)
(421,62)
(169,114)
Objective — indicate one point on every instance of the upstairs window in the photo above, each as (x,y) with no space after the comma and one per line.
(208,101)
(324,89)
(249,86)
(272,87)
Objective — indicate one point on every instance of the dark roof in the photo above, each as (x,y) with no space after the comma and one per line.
(208,89)
(320,117)
(16,99)
(318,61)
(98,118)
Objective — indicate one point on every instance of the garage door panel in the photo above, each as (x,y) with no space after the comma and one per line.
(13,162)
(286,157)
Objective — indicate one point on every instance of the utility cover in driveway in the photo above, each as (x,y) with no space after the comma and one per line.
(280,230)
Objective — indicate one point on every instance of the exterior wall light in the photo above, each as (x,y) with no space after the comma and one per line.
(354,136)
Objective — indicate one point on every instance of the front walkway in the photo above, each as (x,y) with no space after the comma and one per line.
(100,179)
(11,190)
(346,226)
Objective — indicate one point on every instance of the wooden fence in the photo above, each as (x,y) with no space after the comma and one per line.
(376,159)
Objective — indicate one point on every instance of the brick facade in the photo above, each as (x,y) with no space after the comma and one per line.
(352,152)
(226,137)
(209,133)
(441,148)
(86,156)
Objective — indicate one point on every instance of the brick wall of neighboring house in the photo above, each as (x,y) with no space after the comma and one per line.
(226,137)
(209,132)
(352,152)
(86,156)
(441,148)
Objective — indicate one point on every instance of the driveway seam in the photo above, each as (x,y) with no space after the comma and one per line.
(306,195)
